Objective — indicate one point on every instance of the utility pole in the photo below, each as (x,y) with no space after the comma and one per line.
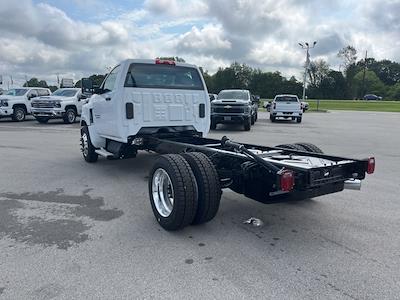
(365,70)
(306,47)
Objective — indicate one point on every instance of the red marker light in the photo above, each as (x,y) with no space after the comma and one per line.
(164,62)
(371,165)
(287,180)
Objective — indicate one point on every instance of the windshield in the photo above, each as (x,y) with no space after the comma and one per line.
(163,77)
(286,99)
(65,93)
(16,92)
(233,95)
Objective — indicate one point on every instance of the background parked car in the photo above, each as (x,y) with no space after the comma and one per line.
(304,105)
(267,105)
(372,97)
(65,103)
(16,103)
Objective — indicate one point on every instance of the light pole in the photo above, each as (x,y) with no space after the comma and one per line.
(307,47)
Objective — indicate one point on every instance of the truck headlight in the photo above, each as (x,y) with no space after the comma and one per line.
(57,104)
(247,109)
(3,103)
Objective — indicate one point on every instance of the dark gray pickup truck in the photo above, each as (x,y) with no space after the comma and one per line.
(234,106)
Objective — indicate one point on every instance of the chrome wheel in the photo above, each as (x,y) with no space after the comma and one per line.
(163,192)
(71,116)
(84,144)
(19,114)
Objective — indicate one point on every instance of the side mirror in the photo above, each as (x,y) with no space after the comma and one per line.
(87,86)
(31,96)
(82,97)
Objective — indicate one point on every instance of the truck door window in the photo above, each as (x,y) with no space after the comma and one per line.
(33,94)
(109,82)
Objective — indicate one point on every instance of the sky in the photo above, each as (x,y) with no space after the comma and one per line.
(77,38)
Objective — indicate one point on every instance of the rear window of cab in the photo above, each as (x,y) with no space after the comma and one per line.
(286,99)
(163,76)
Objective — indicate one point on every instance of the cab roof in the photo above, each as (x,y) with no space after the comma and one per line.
(153,61)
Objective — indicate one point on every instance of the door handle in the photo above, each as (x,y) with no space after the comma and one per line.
(108,98)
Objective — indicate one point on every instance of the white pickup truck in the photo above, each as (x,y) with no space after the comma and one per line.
(65,103)
(287,107)
(16,102)
(163,106)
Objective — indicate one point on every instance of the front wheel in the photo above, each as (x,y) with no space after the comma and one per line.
(299,120)
(253,120)
(19,114)
(69,116)
(247,124)
(173,192)
(87,148)
(42,120)
(272,118)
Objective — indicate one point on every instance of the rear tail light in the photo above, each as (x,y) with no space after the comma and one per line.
(287,180)
(164,62)
(371,165)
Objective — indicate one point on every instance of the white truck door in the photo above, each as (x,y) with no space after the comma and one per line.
(105,109)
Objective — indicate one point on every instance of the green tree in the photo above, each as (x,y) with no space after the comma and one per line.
(349,56)
(373,85)
(97,80)
(34,82)
(317,71)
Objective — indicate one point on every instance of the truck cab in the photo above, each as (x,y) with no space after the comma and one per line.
(16,102)
(144,97)
(65,103)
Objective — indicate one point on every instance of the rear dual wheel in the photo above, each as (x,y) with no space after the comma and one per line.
(308,147)
(184,189)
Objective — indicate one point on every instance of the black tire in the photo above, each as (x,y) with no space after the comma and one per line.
(272,118)
(208,185)
(69,116)
(213,125)
(87,148)
(292,147)
(298,120)
(253,120)
(310,147)
(184,192)
(247,124)
(256,117)
(42,120)
(19,114)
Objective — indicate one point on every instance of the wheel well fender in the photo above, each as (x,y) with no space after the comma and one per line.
(19,105)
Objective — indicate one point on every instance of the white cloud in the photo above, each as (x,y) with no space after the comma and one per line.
(42,40)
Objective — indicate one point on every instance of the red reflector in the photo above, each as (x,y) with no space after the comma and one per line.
(287,180)
(164,62)
(371,165)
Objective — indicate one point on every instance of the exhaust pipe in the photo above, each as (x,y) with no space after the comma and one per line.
(353,184)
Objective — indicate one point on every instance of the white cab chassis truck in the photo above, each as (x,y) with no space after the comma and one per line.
(16,102)
(163,106)
(65,103)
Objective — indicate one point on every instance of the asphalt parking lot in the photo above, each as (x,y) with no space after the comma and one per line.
(71,230)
